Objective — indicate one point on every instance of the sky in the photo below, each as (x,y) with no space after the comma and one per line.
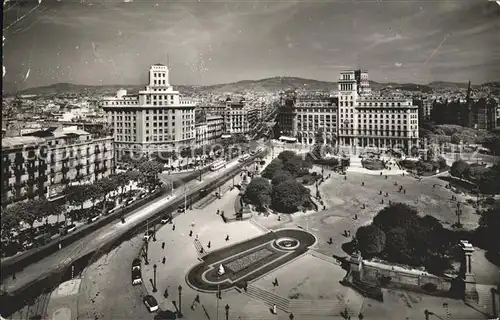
(211,42)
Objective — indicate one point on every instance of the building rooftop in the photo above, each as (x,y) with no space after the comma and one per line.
(20,141)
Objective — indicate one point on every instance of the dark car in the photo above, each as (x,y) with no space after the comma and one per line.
(136,264)
(151,303)
(181,209)
(136,276)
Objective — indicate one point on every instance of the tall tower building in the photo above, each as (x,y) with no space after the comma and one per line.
(157,119)
(348,120)
(363,82)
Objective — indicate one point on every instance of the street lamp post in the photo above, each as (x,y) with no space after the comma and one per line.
(154,278)
(146,249)
(185,198)
(227,311)
(180,302)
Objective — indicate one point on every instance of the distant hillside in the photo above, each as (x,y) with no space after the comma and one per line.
(263,85)
(274,84)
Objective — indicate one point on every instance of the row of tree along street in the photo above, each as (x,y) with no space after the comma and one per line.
(189,157)
(16,238)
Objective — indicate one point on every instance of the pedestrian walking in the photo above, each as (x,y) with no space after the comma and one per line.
(404,191)
(356,216)
(387,194)
(60,246)
(276,282)
(291,316)
(192,224)
(163,245)
(380,192)
(197,298)
(196,236)
(362,183)
(173,227)
(14,276)
(190,233)
(163,260)
(209,244)
(330,241)
(227,237)
(279,218)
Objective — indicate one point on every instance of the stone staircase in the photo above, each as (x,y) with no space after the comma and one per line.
(319,307)
(198,246)
(485,301)
(268,297)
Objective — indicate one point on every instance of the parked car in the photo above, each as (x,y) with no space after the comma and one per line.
(69,228)
(148,235)
(93,218)
(136,277)
(151,303)
(181,209)
(136,264)
(166,219)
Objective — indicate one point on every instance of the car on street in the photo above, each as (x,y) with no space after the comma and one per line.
(166,219)
(151,303)
(181,209)
(69,228)
(148,235)
(136,264)
(136,277)
(93,218)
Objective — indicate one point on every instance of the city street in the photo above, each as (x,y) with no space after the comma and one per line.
(66,255)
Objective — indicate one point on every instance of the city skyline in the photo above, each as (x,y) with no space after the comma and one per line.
(222,42)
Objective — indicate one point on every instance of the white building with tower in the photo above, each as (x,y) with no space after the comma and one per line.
(156,119)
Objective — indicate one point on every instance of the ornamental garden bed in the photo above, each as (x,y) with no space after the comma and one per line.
(373,164)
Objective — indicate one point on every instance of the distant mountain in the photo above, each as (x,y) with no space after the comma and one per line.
(263,85)
(274,84)
(452,85)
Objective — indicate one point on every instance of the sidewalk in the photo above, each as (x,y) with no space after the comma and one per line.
(64,257)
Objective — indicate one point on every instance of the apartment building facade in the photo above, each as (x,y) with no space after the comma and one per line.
(155,120)
(44,163)
(354,118)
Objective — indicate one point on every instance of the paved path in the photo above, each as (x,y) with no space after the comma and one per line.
(66,255)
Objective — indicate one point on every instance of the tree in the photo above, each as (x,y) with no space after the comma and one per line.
(488,181)
(489,226)
(271,168)
(281,176)
(460,169)
(93,192)
(492,142)
(151,170)
(76,195)
(396,215)
(397,247)
(11,219)
(414,151)
(33,210)
(289,195)
(297,166)
(258,192)
(286,155)
(371,240)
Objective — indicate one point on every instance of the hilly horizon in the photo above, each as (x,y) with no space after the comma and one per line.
(267,84)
